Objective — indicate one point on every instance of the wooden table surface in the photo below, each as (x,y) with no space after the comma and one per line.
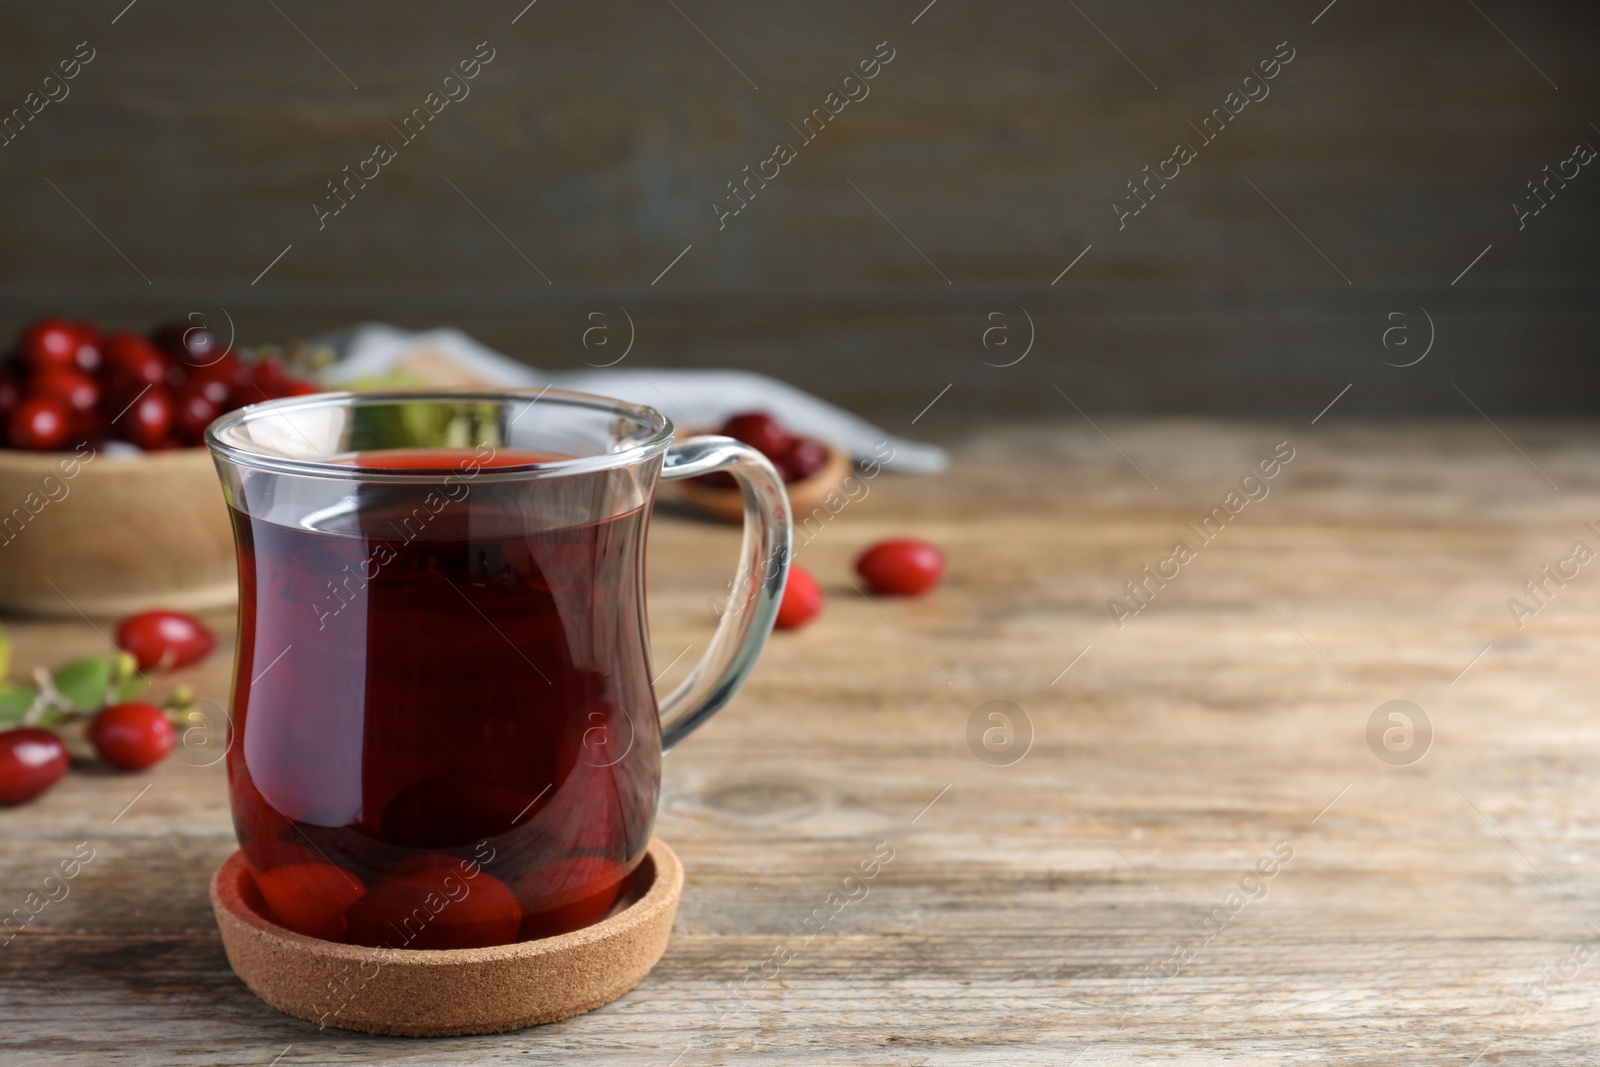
(1198,858)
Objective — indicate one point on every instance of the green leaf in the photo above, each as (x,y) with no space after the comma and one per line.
(126,689)
(15,700)
(85,682)
(126,681)
(5,652)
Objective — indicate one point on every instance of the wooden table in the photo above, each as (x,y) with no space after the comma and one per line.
(1075,903)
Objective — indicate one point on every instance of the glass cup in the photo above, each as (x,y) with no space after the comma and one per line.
(445,730)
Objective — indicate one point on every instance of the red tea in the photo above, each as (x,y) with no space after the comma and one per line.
(446,734)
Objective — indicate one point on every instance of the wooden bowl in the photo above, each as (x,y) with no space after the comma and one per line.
(804,495)
(447,992)
(107,535)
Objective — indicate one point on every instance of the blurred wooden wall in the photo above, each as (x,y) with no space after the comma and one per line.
(988,155)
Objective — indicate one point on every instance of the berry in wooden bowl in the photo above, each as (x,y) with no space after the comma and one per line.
(108,497)
(811,469)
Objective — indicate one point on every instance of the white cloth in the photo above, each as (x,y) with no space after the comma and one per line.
(696,400)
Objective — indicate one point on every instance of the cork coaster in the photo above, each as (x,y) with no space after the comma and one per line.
(439,993)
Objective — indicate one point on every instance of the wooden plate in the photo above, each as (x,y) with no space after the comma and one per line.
(804,495)
(439,993)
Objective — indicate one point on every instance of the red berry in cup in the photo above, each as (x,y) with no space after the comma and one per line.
(438,812)
(31,761)
(803,458)
(40,424)
(162,640)
(51,343)
(265,854)
(443,906)
(760,431)
(311,898)
(566,895)
(434,861)
(132,736)
(802,600)
(74,388)
(905,567)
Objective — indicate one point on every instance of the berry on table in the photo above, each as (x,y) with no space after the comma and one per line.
(802,600)
(164,640)
(31,761)
(902,566)
(132,736)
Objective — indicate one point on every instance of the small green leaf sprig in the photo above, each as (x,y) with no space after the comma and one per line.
(63,699)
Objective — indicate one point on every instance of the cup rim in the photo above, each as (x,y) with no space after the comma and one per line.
(224,450)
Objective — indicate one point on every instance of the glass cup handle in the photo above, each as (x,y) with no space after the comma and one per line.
(757,588)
